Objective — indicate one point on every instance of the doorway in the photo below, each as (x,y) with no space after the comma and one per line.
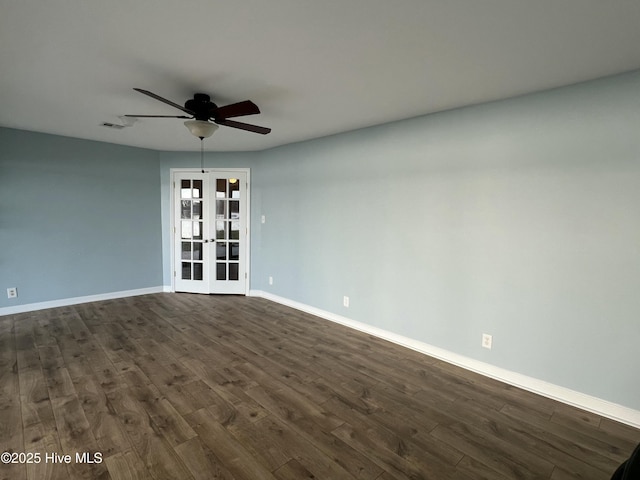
(210,231)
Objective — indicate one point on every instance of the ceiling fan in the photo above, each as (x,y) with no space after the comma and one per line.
(201,109)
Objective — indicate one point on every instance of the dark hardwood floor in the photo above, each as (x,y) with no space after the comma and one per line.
(177,386)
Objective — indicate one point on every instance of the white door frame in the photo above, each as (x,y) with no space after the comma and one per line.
(172,225)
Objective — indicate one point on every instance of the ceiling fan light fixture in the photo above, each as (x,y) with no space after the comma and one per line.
(200,128)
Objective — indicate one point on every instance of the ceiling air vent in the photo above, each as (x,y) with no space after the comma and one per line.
(112,125)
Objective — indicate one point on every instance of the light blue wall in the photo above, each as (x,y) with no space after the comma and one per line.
(518,218)
(77,217)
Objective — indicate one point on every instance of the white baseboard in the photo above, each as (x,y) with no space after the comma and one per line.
(580,400)
(30,307)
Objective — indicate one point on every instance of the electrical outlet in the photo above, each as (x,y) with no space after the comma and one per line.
(487,340)
(12,292)
(345,301)
(263,219)
(270,280)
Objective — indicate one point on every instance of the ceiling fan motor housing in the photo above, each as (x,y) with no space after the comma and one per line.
(201,106)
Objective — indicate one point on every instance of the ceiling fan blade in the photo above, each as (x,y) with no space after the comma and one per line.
(243,126)
(237,110)
(163,100)
(158,116)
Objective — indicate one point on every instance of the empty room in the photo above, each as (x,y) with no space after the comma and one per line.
(333,240)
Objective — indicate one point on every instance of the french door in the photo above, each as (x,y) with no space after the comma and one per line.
(210,231)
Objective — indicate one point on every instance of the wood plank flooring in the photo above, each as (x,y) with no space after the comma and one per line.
(178,386)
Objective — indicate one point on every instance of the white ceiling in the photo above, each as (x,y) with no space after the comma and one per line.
(313,67)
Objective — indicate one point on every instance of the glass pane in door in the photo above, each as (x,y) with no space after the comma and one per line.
(234,234)
(197,189)
(186,250)
(185,189)
(186,270)
(221,188)
(197,209)
(221,272)
(234,188)
(220,209)
(221,251)
(197,271)
(234,251)
(197,251)
(220,230)
(233,271)
(186,209)
(187,229)
(234,206)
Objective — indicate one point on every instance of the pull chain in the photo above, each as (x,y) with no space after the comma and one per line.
(202,153)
